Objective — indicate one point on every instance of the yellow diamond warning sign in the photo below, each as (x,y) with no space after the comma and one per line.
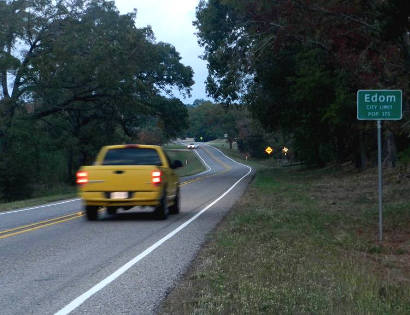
(269,150)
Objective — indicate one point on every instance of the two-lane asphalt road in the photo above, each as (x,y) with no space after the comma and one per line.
(54,261)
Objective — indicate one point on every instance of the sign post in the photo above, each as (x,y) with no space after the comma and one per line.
(379,105)
(379,162)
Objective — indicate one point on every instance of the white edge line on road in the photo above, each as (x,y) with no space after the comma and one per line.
(226,155)
(208,168)
(37,207)
(86,295)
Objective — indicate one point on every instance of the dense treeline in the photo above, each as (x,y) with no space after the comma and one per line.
(298,64)
(208,121)
(76,75)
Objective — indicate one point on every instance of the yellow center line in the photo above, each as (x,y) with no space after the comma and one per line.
(73,216)
(224,165)
(40,222)
(191,181)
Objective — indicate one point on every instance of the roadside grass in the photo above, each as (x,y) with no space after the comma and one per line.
(192,164)
(305,241)
(223,144)
(172,146)
(43,195)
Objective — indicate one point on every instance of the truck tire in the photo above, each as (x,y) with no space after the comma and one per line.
(112,210)
(161,211)
(91,213)
(174,209)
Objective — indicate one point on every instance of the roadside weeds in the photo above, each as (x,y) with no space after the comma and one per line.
(36,201)
(304,241)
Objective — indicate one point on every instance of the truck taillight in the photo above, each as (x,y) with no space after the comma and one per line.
(82,177)
(156,177)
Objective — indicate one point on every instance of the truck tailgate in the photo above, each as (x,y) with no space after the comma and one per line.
(120,178)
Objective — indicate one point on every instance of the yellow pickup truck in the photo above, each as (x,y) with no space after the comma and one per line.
(125,176)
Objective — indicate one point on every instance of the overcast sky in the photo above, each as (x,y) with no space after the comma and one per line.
(171,21)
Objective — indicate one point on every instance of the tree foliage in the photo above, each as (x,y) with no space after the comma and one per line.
(206,121)
(298,64)
(235,124)
(81,75)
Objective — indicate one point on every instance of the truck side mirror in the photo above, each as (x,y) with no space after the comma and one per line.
(176,164)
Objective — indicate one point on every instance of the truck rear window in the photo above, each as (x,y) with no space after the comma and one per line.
(132,156)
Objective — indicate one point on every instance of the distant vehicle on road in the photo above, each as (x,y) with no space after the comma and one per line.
(192,146)
(125,176)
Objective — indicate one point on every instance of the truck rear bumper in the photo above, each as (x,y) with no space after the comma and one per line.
(96,198)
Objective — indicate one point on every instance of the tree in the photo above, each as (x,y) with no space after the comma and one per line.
(211,121)
(205,121)
(88,76)
(298,64)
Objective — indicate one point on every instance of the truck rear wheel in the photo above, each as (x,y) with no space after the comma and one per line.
(174,209)
(112,210)
(91,213)
(161,211)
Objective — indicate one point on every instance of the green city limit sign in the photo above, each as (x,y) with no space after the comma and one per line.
(379,104)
